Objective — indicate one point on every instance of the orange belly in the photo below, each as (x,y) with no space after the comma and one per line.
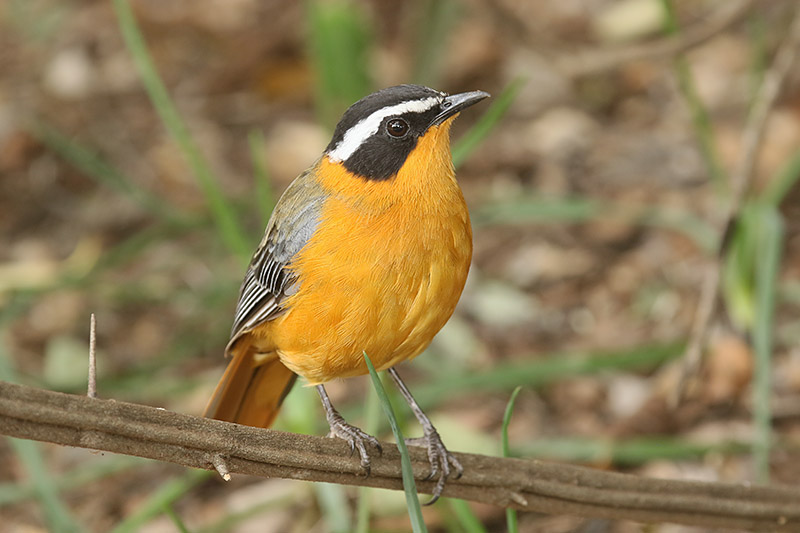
(388,296)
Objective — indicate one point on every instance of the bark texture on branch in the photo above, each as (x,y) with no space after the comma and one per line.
(130,429)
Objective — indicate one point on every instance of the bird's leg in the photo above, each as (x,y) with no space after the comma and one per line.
(441,460)
(356,438)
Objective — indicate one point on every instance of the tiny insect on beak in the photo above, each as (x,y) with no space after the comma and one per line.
(456,103)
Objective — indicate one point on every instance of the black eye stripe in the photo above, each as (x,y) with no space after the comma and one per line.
(377,153)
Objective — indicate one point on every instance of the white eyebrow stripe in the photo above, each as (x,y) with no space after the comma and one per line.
(366,127)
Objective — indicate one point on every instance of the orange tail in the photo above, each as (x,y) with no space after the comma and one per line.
(251,391)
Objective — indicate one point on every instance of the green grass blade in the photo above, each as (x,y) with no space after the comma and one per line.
(465,516)
(132,247)
(335,509)
(540,371)
(790,292)
(543,209)
(629,452)
(767,267)
(507,419)
(488,121)
(116,255)
(298,413)
(29,453)
(704,234)
(434,21)
(511,514)
(56,512)
(363,510)
(169,492)
(701,120)
(339,46)
(170,512)
(93,166)
(739,268)
(37,21)
(780,185)
(264,196)
(12,493)
(539,209)
(223,212)
(269,504)
(757,30)
(371,421)
(409,486)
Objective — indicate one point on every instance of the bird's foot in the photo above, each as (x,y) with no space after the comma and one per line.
(357,439)
(443,463)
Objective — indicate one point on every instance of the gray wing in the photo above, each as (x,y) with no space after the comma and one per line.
(268,281)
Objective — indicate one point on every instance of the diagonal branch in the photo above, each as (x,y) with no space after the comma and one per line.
(764,101)
(592,62)
(130,429)
(740,181)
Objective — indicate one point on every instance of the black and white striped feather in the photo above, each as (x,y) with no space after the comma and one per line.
(268,280)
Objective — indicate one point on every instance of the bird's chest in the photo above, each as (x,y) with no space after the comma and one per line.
(382,283)
(380,267)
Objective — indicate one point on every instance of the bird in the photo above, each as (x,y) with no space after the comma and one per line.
(367,251)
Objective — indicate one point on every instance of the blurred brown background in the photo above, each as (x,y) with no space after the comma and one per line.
(594,207)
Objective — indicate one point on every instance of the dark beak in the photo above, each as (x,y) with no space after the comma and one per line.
(456,103)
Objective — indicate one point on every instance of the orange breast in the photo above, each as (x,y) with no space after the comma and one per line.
(384,270)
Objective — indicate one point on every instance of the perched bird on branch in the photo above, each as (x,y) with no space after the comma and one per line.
(367,252)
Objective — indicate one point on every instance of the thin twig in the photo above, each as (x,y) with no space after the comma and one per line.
(92,388)
(591,62)
(701,118)
(759,113)
(26,412)
(221,466)
(740,180)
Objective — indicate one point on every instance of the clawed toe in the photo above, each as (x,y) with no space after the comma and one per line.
(457,466)
(357,439)
(440,459)
(442,462)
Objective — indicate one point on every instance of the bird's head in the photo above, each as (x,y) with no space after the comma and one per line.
(377,134)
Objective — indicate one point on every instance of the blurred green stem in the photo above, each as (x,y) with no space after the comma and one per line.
(372,411)
(770,244)
(488,121)
(433,20)
(465,516)
(757,30)
(95,167)
(29,453)
(340,43)
(169,492)
(511,514)
(266,200)
(176,519)
(223,212)
(333,503)
(409,485)
(780,184)
(700,116)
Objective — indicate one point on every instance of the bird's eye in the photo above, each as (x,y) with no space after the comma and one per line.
(397,127)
